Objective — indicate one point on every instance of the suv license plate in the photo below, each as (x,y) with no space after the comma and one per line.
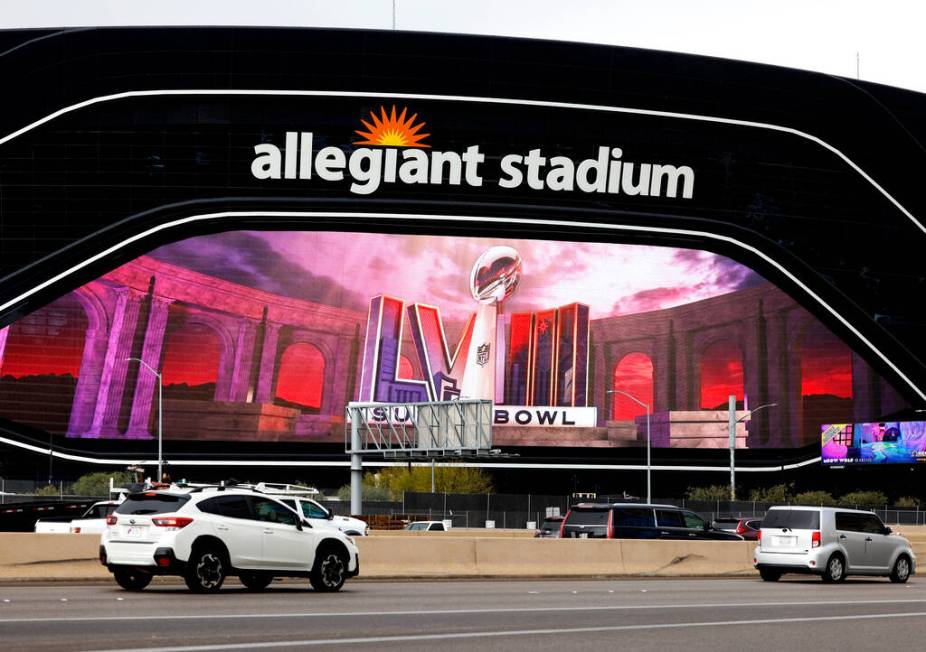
(135,532)
(784,542)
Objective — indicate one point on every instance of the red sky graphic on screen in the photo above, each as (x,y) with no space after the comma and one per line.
(341,272)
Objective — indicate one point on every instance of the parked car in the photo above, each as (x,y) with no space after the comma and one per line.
(830,542)
(726,523)
(635,521)
(427,526)
(206,534)
(749,528)
(550,527)
(92,521)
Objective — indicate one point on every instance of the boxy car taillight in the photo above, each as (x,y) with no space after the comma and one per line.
(815,539)
(177,522)
(111,519)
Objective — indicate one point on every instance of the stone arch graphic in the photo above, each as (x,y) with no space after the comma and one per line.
(301,377)
(634,374)
(721,373)
(40,364)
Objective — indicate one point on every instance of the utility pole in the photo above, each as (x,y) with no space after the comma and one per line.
(732,421)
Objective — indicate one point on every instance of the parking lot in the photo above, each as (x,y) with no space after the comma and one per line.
(640,614)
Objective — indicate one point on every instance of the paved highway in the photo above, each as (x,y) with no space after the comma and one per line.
(694,614)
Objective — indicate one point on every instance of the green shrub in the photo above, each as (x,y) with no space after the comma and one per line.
(97,484)
(368,491)
(779,493)
(47,490)
(907,502)
(715,492)
(815,498)
(865,499)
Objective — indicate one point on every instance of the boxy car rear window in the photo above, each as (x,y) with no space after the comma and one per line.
(151,503)
(795,519)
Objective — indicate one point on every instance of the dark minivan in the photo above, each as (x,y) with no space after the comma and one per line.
(633,521)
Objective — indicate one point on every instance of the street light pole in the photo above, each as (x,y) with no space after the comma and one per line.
(732,421)
(649,482)
(160,414)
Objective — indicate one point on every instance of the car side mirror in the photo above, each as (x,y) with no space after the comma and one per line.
(887,530)
(329,516)
(299,525)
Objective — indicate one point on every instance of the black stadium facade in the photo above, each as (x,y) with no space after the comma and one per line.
(115,143)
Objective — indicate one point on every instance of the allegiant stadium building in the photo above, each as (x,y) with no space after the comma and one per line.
(261,225)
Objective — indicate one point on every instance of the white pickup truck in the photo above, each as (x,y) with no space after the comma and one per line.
(93,521)
(297,498)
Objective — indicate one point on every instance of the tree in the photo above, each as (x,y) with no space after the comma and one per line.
(97,484)
(715,492)
(47,490)
(868,499)
(815,498)
(779,493)
(907,502)
(451,479)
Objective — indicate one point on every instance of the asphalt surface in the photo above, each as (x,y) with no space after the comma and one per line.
(690,614)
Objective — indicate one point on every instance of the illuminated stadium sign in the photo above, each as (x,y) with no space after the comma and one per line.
(899,442)
(369,168)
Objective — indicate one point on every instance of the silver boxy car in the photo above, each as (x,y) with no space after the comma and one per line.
(830,542)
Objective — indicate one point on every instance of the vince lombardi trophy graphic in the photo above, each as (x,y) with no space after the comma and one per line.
(494,278)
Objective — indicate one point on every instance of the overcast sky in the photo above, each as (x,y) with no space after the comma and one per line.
(822,35)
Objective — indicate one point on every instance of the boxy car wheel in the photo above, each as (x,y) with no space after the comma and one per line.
(769,574)
(132,579)
(901,571)
(329,572)
(206,571)
(835,570)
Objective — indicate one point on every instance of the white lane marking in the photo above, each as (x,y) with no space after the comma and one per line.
(515,632)
(476,100)
(450,612)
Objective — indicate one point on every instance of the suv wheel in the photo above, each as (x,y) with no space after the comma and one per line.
(255,581)
(835,570)
(901,571)
(769,574)
(329,572)
(206,571)
(132,579)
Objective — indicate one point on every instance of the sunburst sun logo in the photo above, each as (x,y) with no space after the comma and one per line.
(391,130)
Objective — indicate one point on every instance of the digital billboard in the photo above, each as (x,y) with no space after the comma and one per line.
(897,442)
(265,336)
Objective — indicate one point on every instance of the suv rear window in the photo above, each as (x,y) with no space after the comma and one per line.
(588,516)
(151,503)
(795,519)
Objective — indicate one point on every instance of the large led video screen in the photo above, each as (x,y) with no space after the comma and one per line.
(266,336)
(897,442)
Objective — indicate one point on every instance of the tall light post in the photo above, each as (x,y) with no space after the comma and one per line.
(160,413)
(732,421)
(645,406)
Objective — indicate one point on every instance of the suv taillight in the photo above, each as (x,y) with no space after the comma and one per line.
(741,528)
(172,521)
(610,534)
(111,519)
(815,539)
(562,526)
(759,536)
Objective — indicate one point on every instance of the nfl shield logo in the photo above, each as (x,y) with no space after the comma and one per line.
(482,354)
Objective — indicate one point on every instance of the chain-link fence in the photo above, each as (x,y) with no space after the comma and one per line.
(519,510)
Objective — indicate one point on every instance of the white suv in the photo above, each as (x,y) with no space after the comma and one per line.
(207,534)
(830,542)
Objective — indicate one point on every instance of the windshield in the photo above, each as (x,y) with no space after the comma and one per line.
(795,519)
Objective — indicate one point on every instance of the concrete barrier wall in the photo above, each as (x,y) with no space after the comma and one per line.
(435,555)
